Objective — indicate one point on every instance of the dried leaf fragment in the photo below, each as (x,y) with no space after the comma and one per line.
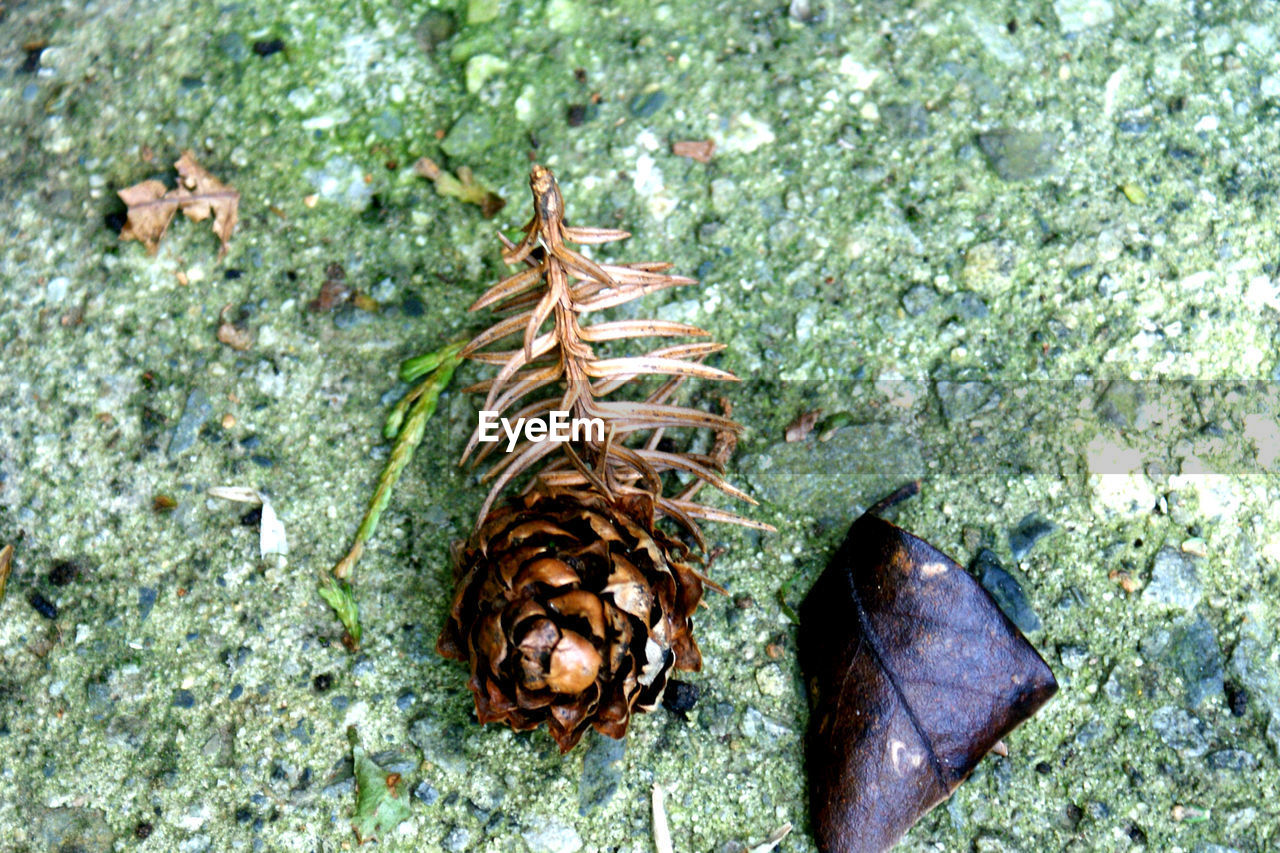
(199,195)
(236,337)
(700,150)
(6,566)
(914,674)
(799,429)
(382,798)
(464,187)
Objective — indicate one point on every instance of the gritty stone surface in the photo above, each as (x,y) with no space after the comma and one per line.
(988,241)
(1174,580)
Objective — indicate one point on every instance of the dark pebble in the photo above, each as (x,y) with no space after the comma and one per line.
(1006,591)
(322,682)
(268,47)
(644,106)
(42,605)
(1029,531)
(249,442)
(63,573)
(143,831)
(146,600)
(183,699)
(405,700)
(576,115)
(680,697)
(236,692)
(243,815)
(1231,759)
(262,461)
(1237,699)
(31,64)
(427,794)
(340,703)
(413,306)
(232,275)
(197,410)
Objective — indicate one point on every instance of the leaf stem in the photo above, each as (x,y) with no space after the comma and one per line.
(407,428)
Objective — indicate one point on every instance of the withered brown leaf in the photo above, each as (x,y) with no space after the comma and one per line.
(799,429)
(914,675)
(199,195)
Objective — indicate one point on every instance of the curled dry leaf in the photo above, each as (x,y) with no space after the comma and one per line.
(914,675)
(199,195)
(799,429)
(700,150)
(464,187)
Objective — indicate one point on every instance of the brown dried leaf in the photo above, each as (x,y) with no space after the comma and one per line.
(700,150)
(199,195)
(150,212)
(333,292)
(799,429)
(914,675)
(202,195)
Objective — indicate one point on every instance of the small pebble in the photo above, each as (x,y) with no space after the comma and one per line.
(268,47)
(42,605)
(771,680)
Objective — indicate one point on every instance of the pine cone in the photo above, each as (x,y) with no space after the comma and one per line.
(572,608)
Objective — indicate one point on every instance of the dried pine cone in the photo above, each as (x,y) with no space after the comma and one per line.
(572,613)
(571,605)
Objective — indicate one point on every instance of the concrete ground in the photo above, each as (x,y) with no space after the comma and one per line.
(1024,251)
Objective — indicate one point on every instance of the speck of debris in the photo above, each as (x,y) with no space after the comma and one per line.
(267,47)
(143,830)
(322,682)
(31,64)
(42,605)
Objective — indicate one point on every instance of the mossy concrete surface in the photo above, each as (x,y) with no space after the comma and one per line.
(977,235)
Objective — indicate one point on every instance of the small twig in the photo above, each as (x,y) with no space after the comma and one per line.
(407,427)
(661,832)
